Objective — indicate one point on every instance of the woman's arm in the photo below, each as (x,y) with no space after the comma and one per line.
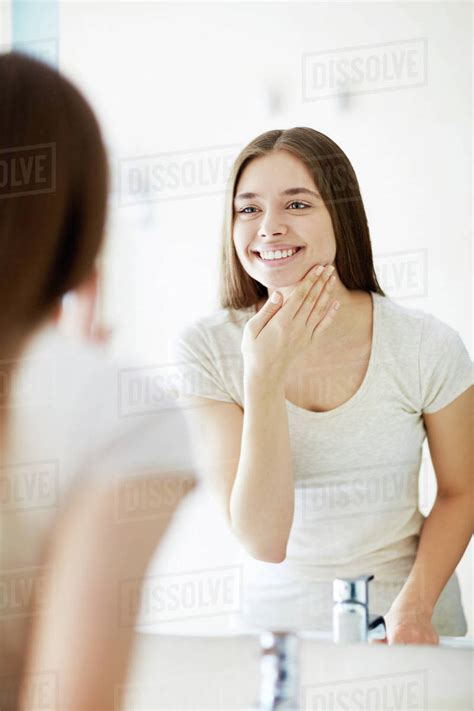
(448,528)
(262,500)
(257,489)
(85,636)
(244,457)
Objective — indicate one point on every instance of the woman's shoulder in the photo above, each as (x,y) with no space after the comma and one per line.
(395,313)
(407,320)
(442,363)
(207,355)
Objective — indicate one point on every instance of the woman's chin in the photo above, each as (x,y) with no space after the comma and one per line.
(280,284)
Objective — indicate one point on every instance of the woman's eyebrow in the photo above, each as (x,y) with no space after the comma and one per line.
(289,191)
(298,191)
(246,196)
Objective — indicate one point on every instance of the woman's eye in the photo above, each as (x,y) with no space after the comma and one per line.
(247,210)
(299,204)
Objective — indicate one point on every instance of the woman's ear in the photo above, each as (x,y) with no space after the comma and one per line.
(80,317)
(90,285)
(57,312)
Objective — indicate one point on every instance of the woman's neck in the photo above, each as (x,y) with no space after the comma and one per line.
(352,323)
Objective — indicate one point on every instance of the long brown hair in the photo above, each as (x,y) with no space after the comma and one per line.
(53,194)
(336,181)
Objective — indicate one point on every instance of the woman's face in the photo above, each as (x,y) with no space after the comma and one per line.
(278,207)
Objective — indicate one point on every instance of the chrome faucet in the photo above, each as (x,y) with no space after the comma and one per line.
(351,620)
(279,671)
(279,685)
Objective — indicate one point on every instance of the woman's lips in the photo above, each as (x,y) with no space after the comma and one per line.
(275,263)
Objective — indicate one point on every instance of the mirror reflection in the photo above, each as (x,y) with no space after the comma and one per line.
(291,393)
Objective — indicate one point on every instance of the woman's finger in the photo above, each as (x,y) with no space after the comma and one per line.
(262,317)
(300,292)
(317,299)
(317,327)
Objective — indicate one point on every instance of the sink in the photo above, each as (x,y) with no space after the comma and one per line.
(186,667)
(387,677)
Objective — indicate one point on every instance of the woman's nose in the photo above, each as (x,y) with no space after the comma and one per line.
(271,225)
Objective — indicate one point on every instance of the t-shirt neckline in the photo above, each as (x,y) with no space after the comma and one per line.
(367,378)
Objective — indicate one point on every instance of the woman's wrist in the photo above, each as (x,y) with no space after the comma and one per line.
(413,602)
(268,381)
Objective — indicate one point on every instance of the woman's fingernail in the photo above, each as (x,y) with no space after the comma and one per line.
(319,270)
(275,297)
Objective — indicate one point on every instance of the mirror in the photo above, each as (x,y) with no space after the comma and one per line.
(327,436)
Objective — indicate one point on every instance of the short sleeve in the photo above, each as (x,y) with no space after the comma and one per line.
(198,366)
(445,367)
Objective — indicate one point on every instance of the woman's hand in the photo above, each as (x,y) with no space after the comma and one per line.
(279,332)
(409,626)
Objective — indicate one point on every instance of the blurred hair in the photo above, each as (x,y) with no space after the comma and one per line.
(335,179)
(49,240)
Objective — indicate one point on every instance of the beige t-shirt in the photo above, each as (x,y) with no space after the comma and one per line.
(355,467)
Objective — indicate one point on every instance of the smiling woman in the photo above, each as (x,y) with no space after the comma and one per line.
(325,205)
(308,422)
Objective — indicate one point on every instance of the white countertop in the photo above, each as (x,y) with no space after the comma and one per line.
(175,670)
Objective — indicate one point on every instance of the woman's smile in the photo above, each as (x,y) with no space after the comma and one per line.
(276,258)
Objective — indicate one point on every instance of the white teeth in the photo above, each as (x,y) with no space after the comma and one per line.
(278,254)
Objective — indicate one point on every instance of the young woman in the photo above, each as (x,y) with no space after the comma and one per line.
(308,421)
(62,562)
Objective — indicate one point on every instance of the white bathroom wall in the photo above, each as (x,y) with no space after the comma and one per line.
(179,77)
(198,80)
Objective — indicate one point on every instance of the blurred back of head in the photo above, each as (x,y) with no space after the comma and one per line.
(50,231)
(53,195)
